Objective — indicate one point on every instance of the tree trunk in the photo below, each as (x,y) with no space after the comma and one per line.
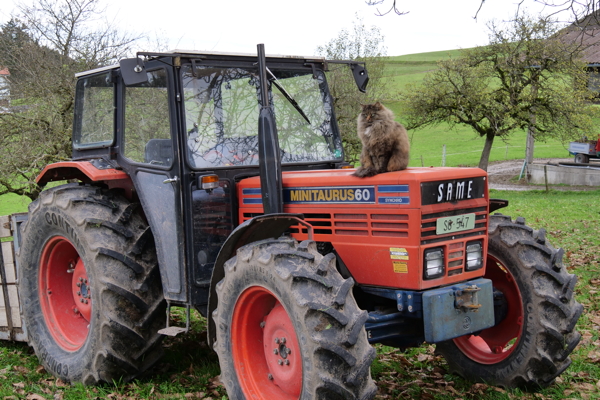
(487,148)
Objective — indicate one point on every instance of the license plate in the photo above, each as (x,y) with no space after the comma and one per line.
(455,223)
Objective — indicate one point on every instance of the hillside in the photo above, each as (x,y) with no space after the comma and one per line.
(462,146)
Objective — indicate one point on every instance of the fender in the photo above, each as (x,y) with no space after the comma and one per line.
(253,230)
(87,172)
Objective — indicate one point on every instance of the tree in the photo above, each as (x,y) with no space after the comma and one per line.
(525,78)
(44,46)
(361,44)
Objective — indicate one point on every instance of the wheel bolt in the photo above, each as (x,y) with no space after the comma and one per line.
(86,302)
(49,292)
(75,310)
(283,340)
(287,362)
(280,362)
(82,300)
(262,324)
(85,281)
(289,351)
(78,293)
(276,340)
(80,279)
(275,351)
(270,377)
(78,284)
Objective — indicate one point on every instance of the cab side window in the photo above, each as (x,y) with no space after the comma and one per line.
(147,130)
(94,112)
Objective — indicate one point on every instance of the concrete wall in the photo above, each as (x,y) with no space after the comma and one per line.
(558,174)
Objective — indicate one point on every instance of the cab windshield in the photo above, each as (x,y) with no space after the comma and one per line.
(221,116)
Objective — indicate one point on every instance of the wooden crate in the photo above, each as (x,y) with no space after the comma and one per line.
(11,327)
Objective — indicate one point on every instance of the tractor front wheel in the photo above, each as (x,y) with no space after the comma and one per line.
(288,326)
(535,309)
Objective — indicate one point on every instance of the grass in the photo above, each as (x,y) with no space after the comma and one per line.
(190,369)
(12,203)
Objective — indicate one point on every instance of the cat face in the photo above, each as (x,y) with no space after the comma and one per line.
(370,111)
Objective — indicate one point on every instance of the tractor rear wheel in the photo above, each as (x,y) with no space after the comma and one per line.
(535,317)
(90,289)
(288,326)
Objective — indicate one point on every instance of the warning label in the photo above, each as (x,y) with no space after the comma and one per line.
(400,267)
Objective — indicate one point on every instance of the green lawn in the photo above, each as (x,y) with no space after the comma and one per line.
(12,203)
(189,369)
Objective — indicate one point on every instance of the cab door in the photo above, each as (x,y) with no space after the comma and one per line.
(148,152)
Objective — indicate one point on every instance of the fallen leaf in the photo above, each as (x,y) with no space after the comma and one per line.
(35,397)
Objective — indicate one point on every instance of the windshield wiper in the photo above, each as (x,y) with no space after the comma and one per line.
(288,96)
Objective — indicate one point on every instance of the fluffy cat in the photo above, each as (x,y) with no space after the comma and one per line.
(385,143)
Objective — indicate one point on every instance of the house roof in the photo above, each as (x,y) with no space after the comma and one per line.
(586,32)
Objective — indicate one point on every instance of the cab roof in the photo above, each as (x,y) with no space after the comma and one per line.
(198,53)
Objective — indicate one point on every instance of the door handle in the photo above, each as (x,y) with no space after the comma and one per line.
(171,180)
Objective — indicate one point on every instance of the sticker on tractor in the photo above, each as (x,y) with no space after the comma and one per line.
(315,195)
(400,267)
(397,253)
(393,194)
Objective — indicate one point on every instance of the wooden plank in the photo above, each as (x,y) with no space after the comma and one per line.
(13,296)
(8,252)
(5,226)
(9,261)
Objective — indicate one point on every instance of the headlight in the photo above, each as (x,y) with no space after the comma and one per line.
(474,256)
(434,263)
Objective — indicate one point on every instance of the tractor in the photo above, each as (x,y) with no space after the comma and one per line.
(217,182)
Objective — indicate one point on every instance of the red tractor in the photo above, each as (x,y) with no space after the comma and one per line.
(218,182)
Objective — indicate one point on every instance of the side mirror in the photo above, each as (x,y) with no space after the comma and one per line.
(361,77)
(133,71)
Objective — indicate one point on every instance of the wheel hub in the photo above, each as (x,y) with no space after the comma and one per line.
(282,350)
(82,292)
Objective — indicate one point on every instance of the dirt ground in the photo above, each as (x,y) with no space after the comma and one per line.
(504,175)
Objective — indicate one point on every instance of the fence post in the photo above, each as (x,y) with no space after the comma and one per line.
(443,155)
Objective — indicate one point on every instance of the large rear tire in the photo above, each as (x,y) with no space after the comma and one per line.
(535,331)
(89,286)
(288,326)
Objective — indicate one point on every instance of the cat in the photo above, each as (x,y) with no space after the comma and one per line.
(385,146)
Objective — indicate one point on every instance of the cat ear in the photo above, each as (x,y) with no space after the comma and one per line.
(378,104)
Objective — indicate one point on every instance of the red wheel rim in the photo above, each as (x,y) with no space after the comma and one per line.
(497,343)
(65,295)
(266,353)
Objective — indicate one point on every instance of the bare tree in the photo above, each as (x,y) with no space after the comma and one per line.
(392,8)
(44,45)
(363,44)
(526,77)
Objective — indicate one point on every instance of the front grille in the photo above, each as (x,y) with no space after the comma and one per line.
(375,225)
